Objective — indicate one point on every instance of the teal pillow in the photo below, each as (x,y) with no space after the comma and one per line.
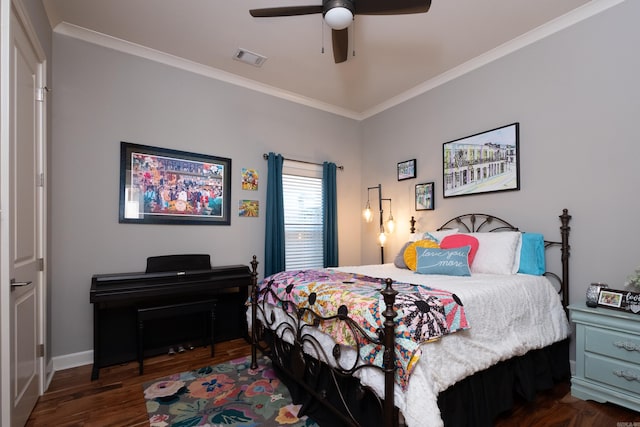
(532,254)
(450,262)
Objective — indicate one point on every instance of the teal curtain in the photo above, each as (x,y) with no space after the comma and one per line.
(329,203)
(274,255)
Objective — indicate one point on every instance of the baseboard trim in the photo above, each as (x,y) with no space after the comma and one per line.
(73,360)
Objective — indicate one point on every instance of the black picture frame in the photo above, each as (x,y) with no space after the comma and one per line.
(486,162)
(619,299)
(165,186)
(425,197)
(610,298)
(407,169)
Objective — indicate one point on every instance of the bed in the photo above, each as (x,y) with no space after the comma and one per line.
(407,344)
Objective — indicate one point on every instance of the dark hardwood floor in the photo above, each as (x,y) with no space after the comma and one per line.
(116,398)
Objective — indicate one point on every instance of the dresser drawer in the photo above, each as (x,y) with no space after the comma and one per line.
(612,372)
(606,342)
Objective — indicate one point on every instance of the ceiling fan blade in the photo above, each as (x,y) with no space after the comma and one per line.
(340,40)
(385,7)
(271,12)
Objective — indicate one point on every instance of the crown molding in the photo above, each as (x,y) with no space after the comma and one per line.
(565,21)
(571,18)
(104,40)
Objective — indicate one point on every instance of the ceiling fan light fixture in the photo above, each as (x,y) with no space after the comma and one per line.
(338,14)
(338,18)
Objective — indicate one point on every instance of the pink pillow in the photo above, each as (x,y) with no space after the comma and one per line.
(460,240)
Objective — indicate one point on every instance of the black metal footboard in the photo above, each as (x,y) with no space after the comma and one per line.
(328,376)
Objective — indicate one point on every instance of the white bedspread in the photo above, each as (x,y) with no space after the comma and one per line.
(508,316)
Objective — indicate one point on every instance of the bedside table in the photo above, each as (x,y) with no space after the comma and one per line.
(607,356)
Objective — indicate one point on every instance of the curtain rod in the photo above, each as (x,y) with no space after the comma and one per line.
(266,157)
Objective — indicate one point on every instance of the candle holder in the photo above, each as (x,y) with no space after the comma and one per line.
(593,292)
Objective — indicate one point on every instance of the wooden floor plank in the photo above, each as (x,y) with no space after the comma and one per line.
(116,398)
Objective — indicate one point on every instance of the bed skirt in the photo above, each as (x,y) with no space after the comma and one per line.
(475,401)
(479,399)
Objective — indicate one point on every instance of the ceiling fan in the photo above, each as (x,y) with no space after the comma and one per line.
(338,14)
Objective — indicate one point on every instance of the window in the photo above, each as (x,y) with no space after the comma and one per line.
(303,215)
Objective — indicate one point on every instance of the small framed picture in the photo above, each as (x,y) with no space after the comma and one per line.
(424,197)
(249,179)
(407,169)
(249,208)
(610,298)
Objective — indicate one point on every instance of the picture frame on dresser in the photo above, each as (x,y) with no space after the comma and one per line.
(623,300)
(166,186)
(610,298)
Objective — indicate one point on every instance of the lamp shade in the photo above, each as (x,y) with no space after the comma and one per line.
(338,18)
(382,238)
(391,225)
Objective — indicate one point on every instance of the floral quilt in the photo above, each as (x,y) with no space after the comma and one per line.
(424,314)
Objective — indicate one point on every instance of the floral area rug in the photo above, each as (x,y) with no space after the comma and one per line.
(230,394)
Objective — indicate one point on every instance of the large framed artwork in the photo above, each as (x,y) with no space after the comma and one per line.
(164,186)
(486,162)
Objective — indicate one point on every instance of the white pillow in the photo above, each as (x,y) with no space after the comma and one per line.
(430,235)
(497,252)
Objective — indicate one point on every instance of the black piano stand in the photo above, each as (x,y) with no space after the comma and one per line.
(174,310)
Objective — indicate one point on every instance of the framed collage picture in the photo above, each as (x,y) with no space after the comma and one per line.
(164,186)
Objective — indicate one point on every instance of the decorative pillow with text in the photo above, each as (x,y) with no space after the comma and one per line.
(450,262)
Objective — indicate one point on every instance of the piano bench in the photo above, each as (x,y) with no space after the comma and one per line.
(173,310)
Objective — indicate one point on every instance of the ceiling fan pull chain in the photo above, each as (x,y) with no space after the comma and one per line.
(353,43)
(322,42)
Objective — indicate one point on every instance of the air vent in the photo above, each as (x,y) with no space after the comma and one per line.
(249,57)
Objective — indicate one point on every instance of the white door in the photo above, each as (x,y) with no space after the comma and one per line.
(25,217)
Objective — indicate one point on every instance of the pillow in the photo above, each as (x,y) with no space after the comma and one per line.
(410,252)
(399,259)
(438,235)
(460,240)
(451,262)
(532,259)
(496,252)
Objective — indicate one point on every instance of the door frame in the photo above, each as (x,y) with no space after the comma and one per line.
(7,8)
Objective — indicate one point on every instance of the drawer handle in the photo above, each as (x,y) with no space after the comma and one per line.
(627,375)
(627,345)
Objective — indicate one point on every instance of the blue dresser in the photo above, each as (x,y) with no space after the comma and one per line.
(607,356)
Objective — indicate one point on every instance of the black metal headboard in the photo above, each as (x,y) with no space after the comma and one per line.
(479,222)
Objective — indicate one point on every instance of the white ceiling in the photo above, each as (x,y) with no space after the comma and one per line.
(395,56)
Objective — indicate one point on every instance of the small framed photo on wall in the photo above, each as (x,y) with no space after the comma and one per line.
(407,169)
(425,197)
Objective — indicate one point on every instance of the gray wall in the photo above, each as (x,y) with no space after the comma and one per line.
(103,97)
(577,98)
(574,93)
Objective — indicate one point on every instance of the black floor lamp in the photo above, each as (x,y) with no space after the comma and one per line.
(368,216)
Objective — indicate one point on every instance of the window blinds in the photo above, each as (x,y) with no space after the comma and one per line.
(302,218)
